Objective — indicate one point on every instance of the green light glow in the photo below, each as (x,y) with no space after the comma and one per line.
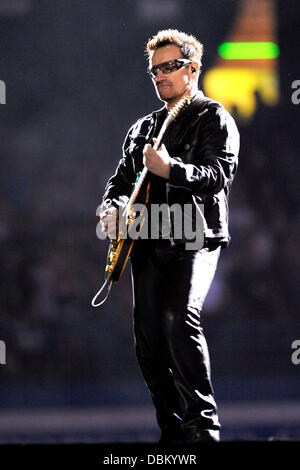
(248,50)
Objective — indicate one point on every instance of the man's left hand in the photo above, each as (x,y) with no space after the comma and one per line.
(157,161)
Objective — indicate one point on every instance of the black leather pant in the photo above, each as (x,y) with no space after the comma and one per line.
(170,286)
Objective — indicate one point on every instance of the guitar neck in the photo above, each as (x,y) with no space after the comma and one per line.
(137,187)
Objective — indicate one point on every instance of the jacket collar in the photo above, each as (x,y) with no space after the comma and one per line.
(199,96)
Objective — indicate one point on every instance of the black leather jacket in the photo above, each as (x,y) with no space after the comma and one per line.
(203,143)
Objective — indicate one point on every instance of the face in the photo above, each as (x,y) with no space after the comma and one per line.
(173,86)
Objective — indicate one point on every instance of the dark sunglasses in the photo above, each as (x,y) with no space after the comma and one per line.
(168,67)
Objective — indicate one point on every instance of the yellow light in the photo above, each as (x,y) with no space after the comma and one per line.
(236,87)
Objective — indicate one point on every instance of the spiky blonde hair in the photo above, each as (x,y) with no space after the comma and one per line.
(189,46)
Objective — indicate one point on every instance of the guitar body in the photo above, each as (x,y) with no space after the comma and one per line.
(117,257)
(119,249)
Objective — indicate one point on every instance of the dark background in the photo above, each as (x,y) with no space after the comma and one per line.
(75,75)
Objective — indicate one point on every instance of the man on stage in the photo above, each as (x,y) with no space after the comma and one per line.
(194,167)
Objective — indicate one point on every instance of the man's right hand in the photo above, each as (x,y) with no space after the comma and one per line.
(109,222)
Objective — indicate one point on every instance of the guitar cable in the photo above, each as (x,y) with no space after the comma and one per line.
(109,282)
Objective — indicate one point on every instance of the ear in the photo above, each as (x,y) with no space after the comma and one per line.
(195,67)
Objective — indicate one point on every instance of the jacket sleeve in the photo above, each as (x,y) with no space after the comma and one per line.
(218,155)
(120,184)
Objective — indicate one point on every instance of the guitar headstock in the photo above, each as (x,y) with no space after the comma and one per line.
(182,104)
(172,114)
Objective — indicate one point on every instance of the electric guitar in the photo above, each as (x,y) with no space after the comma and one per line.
(120,248)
